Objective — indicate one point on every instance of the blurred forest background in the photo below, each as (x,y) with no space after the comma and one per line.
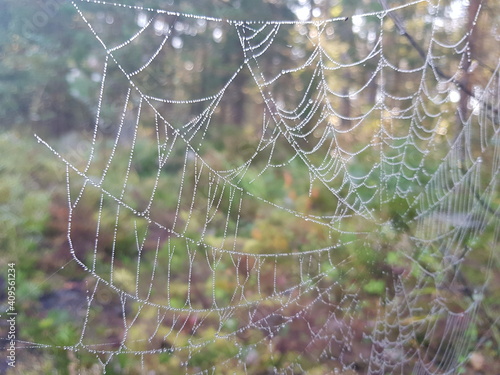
(50,84)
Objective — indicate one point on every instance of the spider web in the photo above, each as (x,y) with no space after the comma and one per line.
(205,289)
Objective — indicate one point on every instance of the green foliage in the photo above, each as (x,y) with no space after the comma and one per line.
(50,81)
(26,185)
(376,287)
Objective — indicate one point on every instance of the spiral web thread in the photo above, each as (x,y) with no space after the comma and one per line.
(199,286)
